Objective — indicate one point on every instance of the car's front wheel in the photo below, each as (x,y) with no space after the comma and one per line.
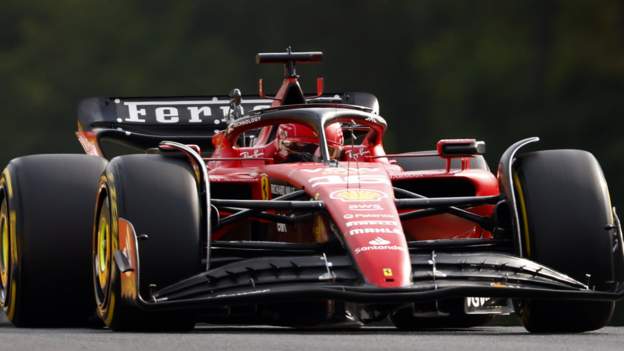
(567,224)
(158,197)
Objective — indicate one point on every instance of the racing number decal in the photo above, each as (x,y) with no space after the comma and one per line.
(264,187)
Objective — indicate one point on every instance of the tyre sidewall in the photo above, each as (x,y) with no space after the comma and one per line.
(565,208)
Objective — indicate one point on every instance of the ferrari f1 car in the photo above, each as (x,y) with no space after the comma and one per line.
(286,210)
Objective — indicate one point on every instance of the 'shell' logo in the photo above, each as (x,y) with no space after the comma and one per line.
(358,195)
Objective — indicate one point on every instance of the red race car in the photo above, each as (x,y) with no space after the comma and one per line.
(286,210)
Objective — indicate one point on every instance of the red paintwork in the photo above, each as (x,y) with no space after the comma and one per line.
(328,184)
(358,196)
(446,226)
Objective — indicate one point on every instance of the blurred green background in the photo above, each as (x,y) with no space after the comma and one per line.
(498,71)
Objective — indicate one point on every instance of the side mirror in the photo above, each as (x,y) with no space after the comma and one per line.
(449,148)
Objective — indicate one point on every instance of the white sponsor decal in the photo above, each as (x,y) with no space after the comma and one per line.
(256,154)
(280,189)
(351,179)
(358,231)
(379,241)
(243,122)
(367,215)
(365,207)
(281,227)
(358,195)
(356,153)
(371,223)
(196,112)
(167,115)
(134,113)
(359,250)
(217,178)
(477,301)
(171,112)
(341,170)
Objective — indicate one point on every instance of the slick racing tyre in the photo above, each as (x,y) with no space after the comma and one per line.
(46,213)
(566,216)
(158,197)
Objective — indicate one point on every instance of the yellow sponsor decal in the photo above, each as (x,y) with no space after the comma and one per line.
(387,272)
(265,187)
(358,195)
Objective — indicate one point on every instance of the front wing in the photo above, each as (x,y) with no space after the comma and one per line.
(435,276)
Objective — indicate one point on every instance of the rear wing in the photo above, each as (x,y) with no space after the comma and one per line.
(142,123)
(107,123)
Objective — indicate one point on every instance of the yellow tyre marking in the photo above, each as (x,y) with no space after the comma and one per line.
(108,319)
(7,182)
(14,261)
(5,246)
(4,272)
(13,249)
(523,214)
(114,245)
(4,237)
(103,232)
(11,308)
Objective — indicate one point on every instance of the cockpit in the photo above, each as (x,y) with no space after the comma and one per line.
(312,134)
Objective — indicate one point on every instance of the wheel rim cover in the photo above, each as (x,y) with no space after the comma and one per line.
(103,254)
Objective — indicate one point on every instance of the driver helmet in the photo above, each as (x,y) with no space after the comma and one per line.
(299,143)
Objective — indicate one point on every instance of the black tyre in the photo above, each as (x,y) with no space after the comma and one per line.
(158,196)
(46,213)
(565,210)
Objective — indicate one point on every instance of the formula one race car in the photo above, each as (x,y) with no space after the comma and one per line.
(286,210)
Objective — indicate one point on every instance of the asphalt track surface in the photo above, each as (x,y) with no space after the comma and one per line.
(207,338)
